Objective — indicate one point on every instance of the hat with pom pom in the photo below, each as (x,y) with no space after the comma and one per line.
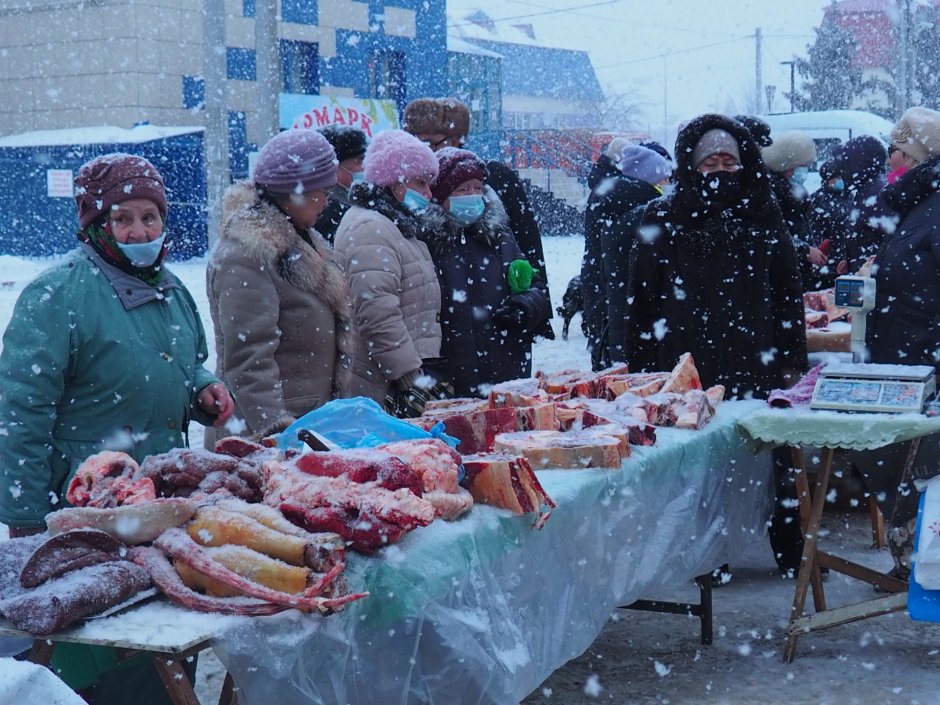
(395,156)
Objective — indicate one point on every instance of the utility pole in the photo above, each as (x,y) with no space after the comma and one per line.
(665,99)
(216,136)
(792,65)
(268,68)
(906,64)
(758,80)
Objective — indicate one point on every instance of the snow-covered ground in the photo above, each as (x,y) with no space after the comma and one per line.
(642,658)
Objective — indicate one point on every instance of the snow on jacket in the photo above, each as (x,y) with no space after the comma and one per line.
(904,327)
(721,284)
(472,263)
(396,298)
(281,314)
(93,359)
(610,217)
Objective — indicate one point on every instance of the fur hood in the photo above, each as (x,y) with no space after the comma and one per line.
(685,207)
(441,232)
(265,234)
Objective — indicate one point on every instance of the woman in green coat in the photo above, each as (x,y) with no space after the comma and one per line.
(104,351)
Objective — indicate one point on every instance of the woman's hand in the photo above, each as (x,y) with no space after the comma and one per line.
(817,257)
(215,399)
(842,267)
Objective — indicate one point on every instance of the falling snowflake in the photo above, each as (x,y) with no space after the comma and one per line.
(593,687)
(662,670)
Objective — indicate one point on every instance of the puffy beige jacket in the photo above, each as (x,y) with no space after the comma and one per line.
(281,313)
(396,298)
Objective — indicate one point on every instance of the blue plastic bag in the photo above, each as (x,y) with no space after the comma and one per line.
(357,423)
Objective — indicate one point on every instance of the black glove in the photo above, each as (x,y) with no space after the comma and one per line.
(407,401)
(510,318)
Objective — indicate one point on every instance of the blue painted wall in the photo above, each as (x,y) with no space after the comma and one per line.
(36,225)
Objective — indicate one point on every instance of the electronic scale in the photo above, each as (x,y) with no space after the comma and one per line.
(862,386)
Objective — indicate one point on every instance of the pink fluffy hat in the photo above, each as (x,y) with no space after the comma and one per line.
(395,156)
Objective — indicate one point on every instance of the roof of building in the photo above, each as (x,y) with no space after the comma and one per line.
(101,134)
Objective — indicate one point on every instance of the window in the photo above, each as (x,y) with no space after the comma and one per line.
(240,64)
(194,92)
(299,11)
(248,8)
(300,67)
(387,76)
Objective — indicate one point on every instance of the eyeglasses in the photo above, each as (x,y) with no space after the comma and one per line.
(892,149)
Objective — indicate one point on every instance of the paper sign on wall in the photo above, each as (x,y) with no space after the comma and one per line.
(59,183)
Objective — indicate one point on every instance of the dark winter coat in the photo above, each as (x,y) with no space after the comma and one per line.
(336,207)
(508,187)
(393,285)
(281,313)
(722,284)
(905,325)
(828,213)
(794,206)
(861,163)
(93,359)
(613,196)
(618,216)
(472,263)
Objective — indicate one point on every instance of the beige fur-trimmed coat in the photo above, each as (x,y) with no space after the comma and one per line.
(281,314)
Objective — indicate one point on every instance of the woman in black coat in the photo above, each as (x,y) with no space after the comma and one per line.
(487,328)
(714,271)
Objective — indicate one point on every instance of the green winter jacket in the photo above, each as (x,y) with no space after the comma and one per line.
(93,359)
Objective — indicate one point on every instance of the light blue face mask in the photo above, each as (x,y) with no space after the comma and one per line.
(800,174)
(414,201)
(838,185)
(142,254)
(358,176)
(467,210)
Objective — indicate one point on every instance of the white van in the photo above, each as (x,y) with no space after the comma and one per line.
(830,127)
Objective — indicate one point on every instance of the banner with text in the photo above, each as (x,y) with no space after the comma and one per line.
(315,111)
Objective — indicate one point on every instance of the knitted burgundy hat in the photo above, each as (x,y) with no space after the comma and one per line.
(296,161)
(394,156)
(113,178)
(454,167)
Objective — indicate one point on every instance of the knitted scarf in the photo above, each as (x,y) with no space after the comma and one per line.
(99,236)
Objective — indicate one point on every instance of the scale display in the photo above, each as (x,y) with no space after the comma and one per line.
(874,388)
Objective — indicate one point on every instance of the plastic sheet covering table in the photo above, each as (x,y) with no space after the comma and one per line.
(832,430)
(483,609)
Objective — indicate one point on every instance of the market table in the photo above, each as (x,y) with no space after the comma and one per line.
(169,633)
(484,609)
(833,430)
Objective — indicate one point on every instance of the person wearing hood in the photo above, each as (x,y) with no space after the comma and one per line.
(758,128)
(713,272)
(788,158)
(396,297)
(104,351)
(349,143)
(278,303)
(644,176)
(489,316)
(904,327)
(861,162)
(445,122)
(610,200)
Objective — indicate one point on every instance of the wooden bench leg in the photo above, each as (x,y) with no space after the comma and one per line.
(877,523)
(175,680)
(228,695)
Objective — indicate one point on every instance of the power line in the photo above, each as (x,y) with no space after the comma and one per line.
(673,53)
(541,14)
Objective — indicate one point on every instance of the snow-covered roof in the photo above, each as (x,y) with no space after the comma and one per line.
(855,122)
(101,134)
(469,19)
(460,46)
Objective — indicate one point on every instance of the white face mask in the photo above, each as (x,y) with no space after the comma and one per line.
(142,254)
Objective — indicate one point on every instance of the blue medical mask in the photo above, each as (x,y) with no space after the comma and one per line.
(838,185)
(467,210)
(800,174)
(358,176)
(414,201)
(142,254)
